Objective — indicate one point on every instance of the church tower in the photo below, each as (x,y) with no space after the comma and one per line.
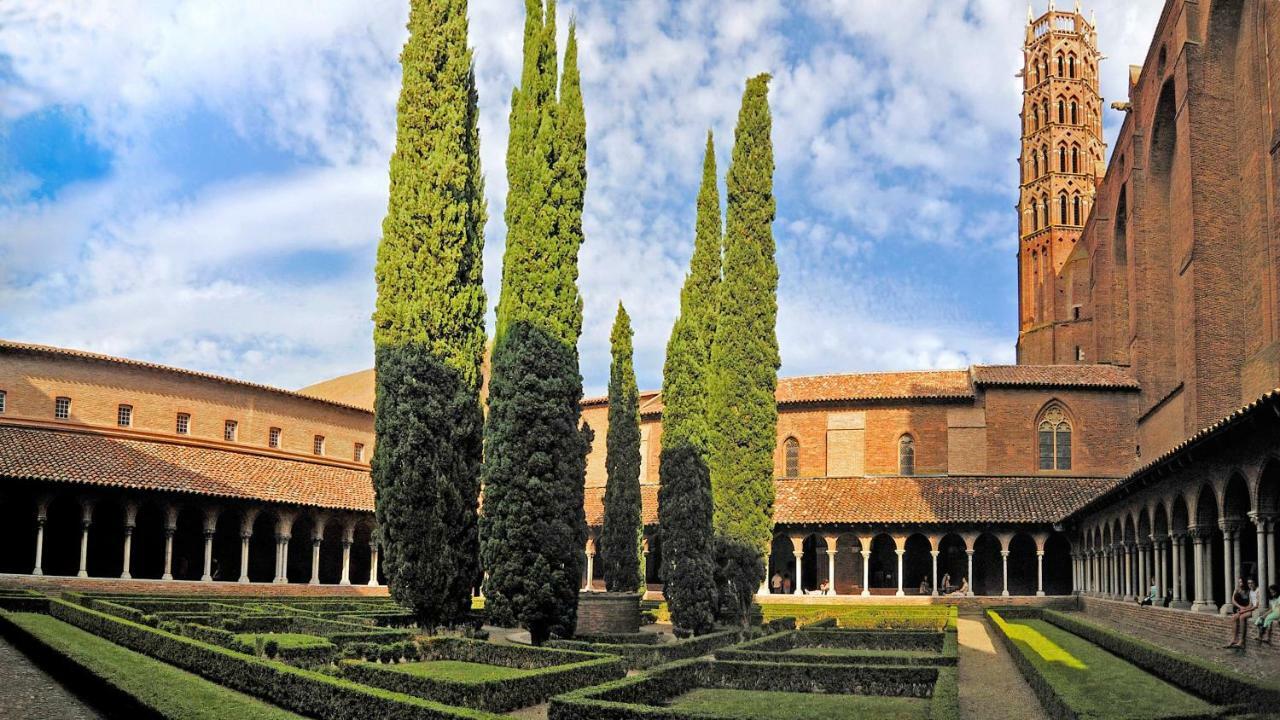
(1062,161)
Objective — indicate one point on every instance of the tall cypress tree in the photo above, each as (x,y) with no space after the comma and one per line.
(623,522)
(429,325)
(742,405)
(684,496)
(533,529)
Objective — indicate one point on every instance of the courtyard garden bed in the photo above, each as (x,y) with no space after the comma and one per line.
(865,617)
(479,674)
(718,689)
(835,646)
(1075,678)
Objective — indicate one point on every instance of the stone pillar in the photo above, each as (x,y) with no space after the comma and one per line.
(210,526)
(832,542)
(86,520)
(797,550)
(1129,551)
(246,534)
(1144,569)
(934,582)
(591,567)
(130,521)
(866,569)
(170,527)
(1263,525)
(42,516)
(373,563)
(1004,566)
(348,537)
(1199,540)
(1161,546)
(315,561)
(1179,571)
(1040,573)
(284,533)
(900,551)
(1230,532)
(969,551)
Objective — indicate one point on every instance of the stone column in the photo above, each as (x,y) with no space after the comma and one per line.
(866,569)
(832,542)
(1199,540)
(170,527)
(348,536)
(591,567)
(797,550)
(246,534)
(1004,566)
(1040,573)
(900,551)
(1230,531)
(1129,550)
(130,521)
(1144,569)
(373,563)
(284,533)
(1179,571)
(315,561)
(86,520)
(969,551)
(934,583)
(42,516)
(210,526)
(1262,523)
(1160,545)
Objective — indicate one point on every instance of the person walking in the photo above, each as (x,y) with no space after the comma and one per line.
(775,584)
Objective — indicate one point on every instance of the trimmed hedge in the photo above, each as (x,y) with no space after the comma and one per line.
(637,638)
(304,691)
(24,601)
(878,647)
(862,617)
(642,697)
(639,657)
(551,672)
(1199,677)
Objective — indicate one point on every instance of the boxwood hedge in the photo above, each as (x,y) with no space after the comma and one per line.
(304,691)
(551,672)
(645,656)
(860,647)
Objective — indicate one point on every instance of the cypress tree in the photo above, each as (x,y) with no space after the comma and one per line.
(533,529)
(742,406)
(623,523)
(684,496)
(429,325)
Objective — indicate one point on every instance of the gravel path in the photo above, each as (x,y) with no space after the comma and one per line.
(991,688)
(31,693)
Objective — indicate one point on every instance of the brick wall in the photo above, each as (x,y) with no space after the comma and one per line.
(1158,624)
(1102,440)
(608,613)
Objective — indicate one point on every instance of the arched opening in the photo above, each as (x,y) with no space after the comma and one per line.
(1235,512)
(1061,72)
(906,455)
(791,448)
(1106,584)
(62,537)
(1062,209)
(300,548)
(1075,113)
(1075,159)
(1179,522)
(188,544)
(883,563)
(106,539)
(360,553)
(953,562)
(1062,158)
(917,566)
(1120,241)
(1071,65)
(1022,565)
(1062,112)
(1207,522)
(1076,215)
(1057,565)
(1268,504)
(226,546)
(262,548)
(988,569)
(848,564)
(1053,438)
(147,552)
(782,564)
(17,530)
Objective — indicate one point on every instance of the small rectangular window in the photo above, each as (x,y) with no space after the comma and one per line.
(273,438)
(229,431)
(62,408)
(359,452)
(124,416)
(317,447)
(184,424)
(1079,354)
(1,401)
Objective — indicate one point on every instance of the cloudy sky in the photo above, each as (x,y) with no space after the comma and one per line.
(203,183)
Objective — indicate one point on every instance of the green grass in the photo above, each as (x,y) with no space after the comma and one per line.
(763,705)
(286,641)
(858,652)
(458,671)
(864,617)
(174,693)
(1094,682)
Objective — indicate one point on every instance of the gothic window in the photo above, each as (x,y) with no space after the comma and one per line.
(1075,116)
(1062,208)
(1062,158)
(1075,210)
(1036,114)
(1075,159)
(1044,205)
(1035,165)
(1037,74)
(792,447)
(1062,112)
(1054,433)
(1061,73)
(1071,65)
(1044,158)
(906,455)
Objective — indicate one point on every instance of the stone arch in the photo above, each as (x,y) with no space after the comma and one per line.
(188,543)
(988,572)
(360,557)
(781,560)
(1057,564)
(226,545)
(62,535)
(1267,495)
(917,563)
(883,564)
(106,538)
(262,546)
(1022,564)
(953,560)
(18,506)
(299,559)
(1206,519)
(1236,502)
(1144,528)
(147,561)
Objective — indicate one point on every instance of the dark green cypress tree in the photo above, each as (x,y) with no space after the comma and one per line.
(742,406)
(533,529)
(620,543)
(684,495)
(429,325)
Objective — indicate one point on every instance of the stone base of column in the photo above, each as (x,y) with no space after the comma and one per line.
(1180,605)
(345,583)
(37,571)
(125,575)
(899,594)
(866,592)
(1204,607)
(373,582)
(1129,598)
(166,576)
(313,581)
(1004,593)
(1039,593)
(82,573)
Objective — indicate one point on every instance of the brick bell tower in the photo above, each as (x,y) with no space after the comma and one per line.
(1062,161)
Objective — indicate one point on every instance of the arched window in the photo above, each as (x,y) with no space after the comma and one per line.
(1044,205)
(906,455)
(1037,74)
(1075,210)
(1062,158)
(1071,65)
(1044,157)
(1075,116)
(1045,106)
(1035,217)
(1062,112)
(1075,159)
(792,447)
(1061,73)
(1036,114)
(1062,208)
(1035,165)
(1054,433)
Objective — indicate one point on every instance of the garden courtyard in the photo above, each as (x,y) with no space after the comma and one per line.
(87,654)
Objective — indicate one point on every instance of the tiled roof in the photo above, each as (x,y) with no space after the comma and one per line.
(931,384)
(9,345)
(1095,376)
(934,500)
(104,460)
(593,501)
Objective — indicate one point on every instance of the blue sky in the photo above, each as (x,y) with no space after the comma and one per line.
(203,184)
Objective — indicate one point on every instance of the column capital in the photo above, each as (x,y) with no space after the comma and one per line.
(1229,525)
(1039,553)
(1004,553)
(1144,546)
(1200,532)
(900,551)
(935,553)
(968,551)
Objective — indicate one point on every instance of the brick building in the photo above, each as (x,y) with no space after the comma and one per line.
(1135,439)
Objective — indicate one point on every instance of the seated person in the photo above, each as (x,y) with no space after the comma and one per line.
(1267,621)
(963,589)
(924,586)
(1244,602)
(824,588)
(1150,597)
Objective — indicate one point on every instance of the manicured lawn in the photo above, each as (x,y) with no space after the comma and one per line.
(458,671)
(172,692)
(1094,682)
(286,641)
(761,705)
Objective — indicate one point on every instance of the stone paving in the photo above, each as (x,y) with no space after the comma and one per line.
(30,693)
(991,688)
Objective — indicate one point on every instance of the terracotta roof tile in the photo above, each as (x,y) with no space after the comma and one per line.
(929,384)
(1099,376)
(103,460)
(930,500)
(594,503)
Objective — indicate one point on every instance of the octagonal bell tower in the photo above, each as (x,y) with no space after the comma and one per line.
(1062,161)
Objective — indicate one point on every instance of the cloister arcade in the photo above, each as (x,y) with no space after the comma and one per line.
(107,534)
(1195,536)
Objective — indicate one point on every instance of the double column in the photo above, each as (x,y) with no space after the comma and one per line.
(1201,562)
(284,531)
(1267,562)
